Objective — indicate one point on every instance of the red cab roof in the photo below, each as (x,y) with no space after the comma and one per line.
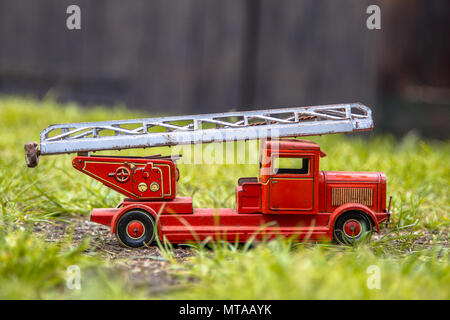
(293,145)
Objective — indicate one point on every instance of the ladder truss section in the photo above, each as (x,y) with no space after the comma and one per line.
(205,128)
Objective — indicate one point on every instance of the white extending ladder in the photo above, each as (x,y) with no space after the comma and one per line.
(204,128)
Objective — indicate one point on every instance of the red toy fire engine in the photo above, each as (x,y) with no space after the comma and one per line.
(291,197)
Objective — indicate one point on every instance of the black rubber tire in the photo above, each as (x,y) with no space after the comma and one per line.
(339,235)
(149,233)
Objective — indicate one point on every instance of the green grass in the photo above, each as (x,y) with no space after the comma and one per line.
(282,270)
(418,174)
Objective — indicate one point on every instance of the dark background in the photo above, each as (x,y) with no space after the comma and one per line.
(197,56)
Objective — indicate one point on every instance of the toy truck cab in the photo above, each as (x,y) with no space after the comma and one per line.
(288,179)
(290,183)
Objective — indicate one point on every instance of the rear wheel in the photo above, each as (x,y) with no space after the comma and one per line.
(135,229)
(352,227)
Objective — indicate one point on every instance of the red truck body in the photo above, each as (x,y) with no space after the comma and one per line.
(291,197)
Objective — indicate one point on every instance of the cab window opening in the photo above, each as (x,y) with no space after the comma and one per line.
(285,165)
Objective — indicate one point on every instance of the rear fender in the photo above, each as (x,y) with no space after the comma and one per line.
(352,207)
(139,207)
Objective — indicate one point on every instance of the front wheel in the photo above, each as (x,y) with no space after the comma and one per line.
(352,227)
(135,229)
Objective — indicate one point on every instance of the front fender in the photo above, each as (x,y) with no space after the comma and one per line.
(352,207)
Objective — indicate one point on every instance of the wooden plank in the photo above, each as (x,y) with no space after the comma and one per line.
(190,57)
(309,54)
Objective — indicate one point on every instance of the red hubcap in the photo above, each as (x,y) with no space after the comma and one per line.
(352,228)
(135,229)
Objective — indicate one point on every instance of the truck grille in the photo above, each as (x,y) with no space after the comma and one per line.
(341,196)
